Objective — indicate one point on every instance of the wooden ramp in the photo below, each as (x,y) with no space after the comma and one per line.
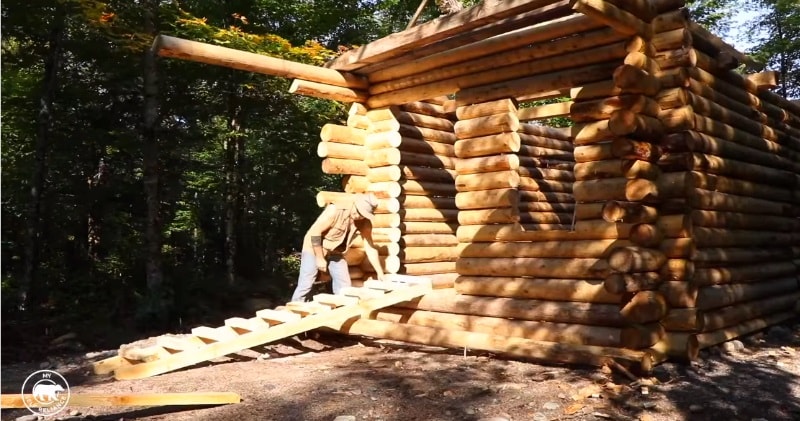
(205,343)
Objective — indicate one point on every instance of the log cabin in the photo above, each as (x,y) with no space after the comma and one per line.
(662,219)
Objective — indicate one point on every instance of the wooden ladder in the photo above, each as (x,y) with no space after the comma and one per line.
(268,325)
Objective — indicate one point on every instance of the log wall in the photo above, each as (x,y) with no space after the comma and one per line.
(663,221)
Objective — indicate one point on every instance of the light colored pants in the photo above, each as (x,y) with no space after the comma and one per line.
(337,268)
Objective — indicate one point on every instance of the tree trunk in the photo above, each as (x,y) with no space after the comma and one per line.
(233,156)
(32,291)
(155,276)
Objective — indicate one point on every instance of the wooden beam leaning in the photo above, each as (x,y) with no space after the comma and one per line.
(438,29)
(167,46)
(621,20)
(325,91)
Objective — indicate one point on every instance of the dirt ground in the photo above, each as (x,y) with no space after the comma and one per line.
(343,378)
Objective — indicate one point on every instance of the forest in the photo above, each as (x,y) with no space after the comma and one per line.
(144,195)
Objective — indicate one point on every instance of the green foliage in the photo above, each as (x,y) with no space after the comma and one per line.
(777,40)
(715,15)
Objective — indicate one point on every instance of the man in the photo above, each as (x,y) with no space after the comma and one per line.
(330,237)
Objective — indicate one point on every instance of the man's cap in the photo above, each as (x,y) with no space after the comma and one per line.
(365,204)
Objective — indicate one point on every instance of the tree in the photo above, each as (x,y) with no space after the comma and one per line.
(777,42)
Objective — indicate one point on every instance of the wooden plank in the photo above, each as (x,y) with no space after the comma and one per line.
(108,365)
(240,324)
(335,300)
(214,334)
(438,29)
(305,308)
(132,399)
(179,343)
(383,285)
(362,293)
(274,317)
(252,339)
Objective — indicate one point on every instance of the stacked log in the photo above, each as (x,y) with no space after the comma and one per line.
(730,165)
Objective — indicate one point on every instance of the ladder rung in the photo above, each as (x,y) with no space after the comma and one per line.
(258,323)
(146,354)
(408,279)
(335,300)
(218,334)
(362,293)
(241,324)
(276,316)
(384,285)
(305,308)
(173,343)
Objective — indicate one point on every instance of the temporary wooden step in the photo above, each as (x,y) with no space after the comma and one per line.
(131,399)
(207,343)
(335,300)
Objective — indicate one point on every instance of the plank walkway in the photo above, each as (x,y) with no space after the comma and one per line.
(171,353)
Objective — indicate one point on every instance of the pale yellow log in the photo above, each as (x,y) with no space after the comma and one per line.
(428,254)
(580,249)
(344,166)
(620,283)
(486,164)
(597,152)
(487,199)
(619,19)
(487,180)
(743,273)
(587,268)
(582,230)
(424,202)
(505,215)
(617,168)
(636,259)
(493,144)
(487,125)
(413,172)
(576,290)
(342,134)
(429,268)
(615,189)
(430,215)
(414,227)
(422,240)
(324,91)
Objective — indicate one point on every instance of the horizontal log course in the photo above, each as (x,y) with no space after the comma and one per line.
(737,169)
(646,235)
(721,237)
(487,125)
(677,248)
(358,121)
(716,296)
(538,173)
(496,46)
(528,348)
(344,166)
(544,142)
(712,257)
(389,189)
(683,320)
(526,151)
(617,18)
(495,198)
(636,259)
(534,84)
(631,79)
(615,189)
(487,181)
(586,211)
(542,331)
(725,202)
(487,164)
(426,121)
(643,61)
(409,144)
(682,57)
(602,109)
(712,338)
(580,268)
(675,18)
(428,240)
(383,140)
(340,150)
(546,218)
(526,206)
(386,220)
(591,132)
(596,152)
(427,188)
(725,132)
(414,227)
(429,268)
(493,144)
(679,345)
(638,126)
(325,91)
(746,221)
(386,173)
(427,108)
(737,93)
(703,90)
(449,301)
(428,254)
(575,290)
(485,109)
(625,148)
(392,156)
(167,46)
(677,270)
(342,134)
(677,77)
(557,133)
(742,312)
(675,226)
(430,215)
(551,197)
(507,215)
(616,168)
(620,283)
(674,39)
(566,249)
(645,307)
(529,184)
(386,235)
(679,294)
(426,202)
(355,183)
(629,212)
(433,135)
(759,151)
(582,230)
(742,273)
(548,54)
(545,162)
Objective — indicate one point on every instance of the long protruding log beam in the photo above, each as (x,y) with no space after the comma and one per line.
(167,46)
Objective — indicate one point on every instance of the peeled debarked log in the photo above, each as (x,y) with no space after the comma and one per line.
(432,135)
(678,345)
(742,312)
(587,268)
(427,188)
(426,202)
(544,142)
(500,106)
(487,125)
(488,216)
(596,152)
(428,254)
(342,134)
(413,227)
(636,259)
(741,187)
(747,221)
(487,199)
(723,237)
(344,166)
(434,240)
(325,91)
(426,147)
(740,255)
(677,270)
(631,79)
(710,200)
(578,290)
(430,215)
(620,283)
(742,273)
(621,20)
(449,301)
(683,320)
(602,109)
(542,112)
(646,235)
(546,173)
(413,172)
(625,148)
(487,163)
(617,168)
(493,144)
(645,307)
(582,230)
(615,189)
(581,249)
(628,123)
(545,218)
(629,212)
(355,183)
(718,336)
(530,184)
(428,268)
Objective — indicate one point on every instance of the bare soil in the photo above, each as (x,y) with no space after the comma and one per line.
(333,376)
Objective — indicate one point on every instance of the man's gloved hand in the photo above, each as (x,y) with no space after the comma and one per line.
(322,265)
